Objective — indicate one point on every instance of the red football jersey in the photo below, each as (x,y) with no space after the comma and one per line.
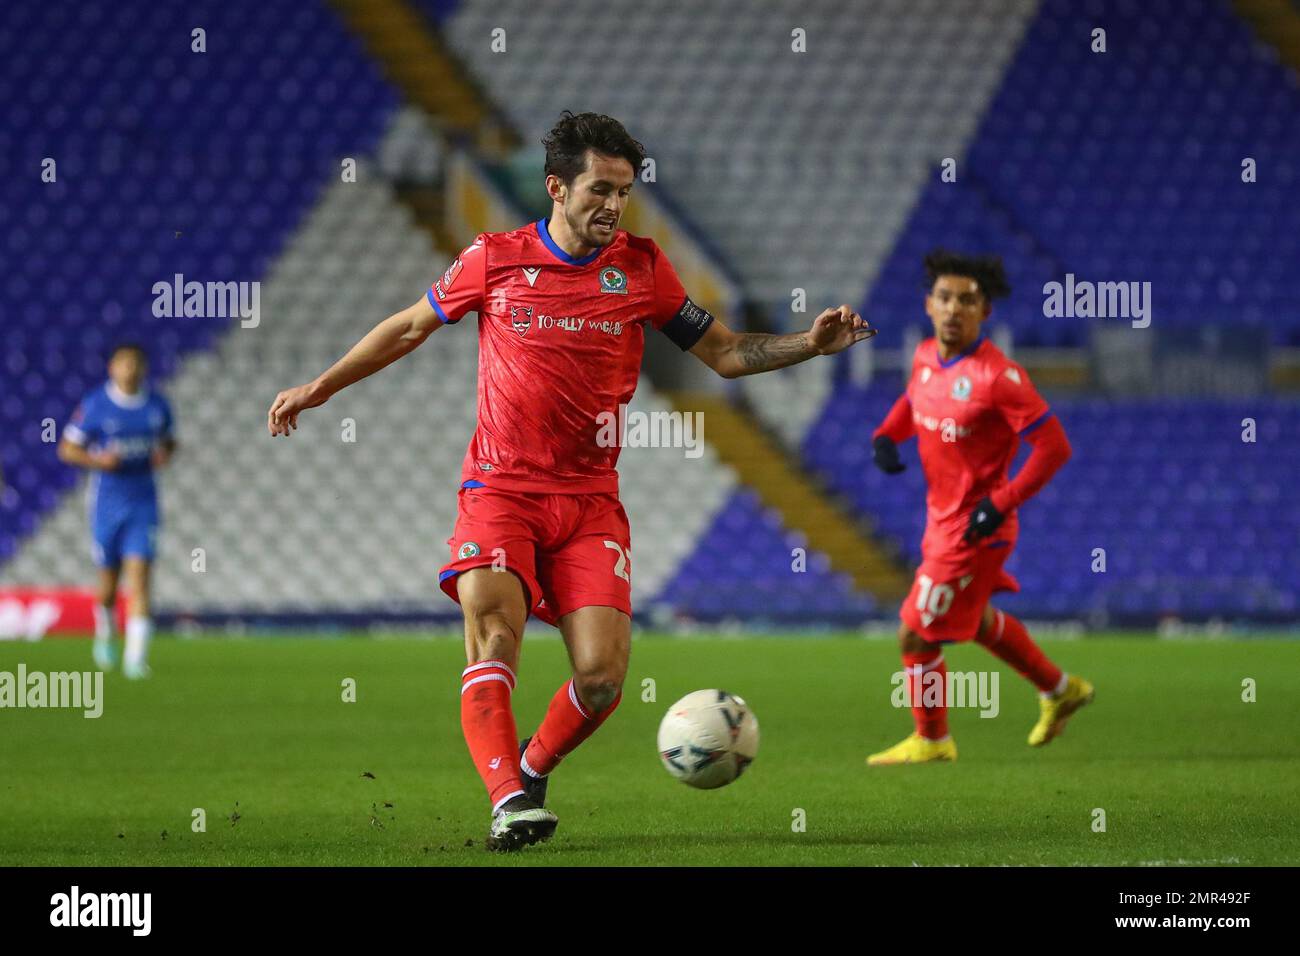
(969,412)
(560,343)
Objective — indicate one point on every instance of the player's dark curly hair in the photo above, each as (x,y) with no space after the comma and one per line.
(568,141)
(987,271)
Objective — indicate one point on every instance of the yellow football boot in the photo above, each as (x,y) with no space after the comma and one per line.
(915,749)
(1053,712)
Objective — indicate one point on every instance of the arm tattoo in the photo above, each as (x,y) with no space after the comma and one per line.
(760,352)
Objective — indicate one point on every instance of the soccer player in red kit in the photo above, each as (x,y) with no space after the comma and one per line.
(968,406)
(564,305)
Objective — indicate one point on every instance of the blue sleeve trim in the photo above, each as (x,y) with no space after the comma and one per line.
(472,483)
(442,316)
(449,573)
(1034,424)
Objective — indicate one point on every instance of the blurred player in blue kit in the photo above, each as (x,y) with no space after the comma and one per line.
(122,433)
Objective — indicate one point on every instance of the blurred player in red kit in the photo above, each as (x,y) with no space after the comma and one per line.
(564,305)
(968,406)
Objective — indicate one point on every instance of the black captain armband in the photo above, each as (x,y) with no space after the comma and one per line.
(688,325)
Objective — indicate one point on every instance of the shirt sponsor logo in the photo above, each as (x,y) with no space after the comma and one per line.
(572,323)
(613,280)
(948,428)
(132,448)
(961,389)
(521,317)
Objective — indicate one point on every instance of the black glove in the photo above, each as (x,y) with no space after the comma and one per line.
(885,454)
(984,520)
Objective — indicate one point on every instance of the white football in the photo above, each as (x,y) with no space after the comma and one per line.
(708,738)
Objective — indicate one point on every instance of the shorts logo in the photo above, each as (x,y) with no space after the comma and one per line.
(961,389)
(467,550)
(613,280)
(521,317)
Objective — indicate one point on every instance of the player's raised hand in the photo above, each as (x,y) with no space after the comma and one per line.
(836,329)
(283,416)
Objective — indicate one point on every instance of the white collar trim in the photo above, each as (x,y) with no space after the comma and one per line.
(122,400)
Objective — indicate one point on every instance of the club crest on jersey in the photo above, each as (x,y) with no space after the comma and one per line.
(961,389)
(613,280)
(521,317)
(467,550)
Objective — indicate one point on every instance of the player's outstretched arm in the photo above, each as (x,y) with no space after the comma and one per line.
(732,354)
(388,341)
(1051,450)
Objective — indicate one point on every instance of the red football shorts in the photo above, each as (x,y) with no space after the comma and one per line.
(569,551)
(948,597)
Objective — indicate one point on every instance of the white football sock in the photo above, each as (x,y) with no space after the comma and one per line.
(138,631)
(1060,687)
(103,623)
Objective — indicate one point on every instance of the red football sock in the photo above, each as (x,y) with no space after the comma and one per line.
(489,726)
(927,683)
(565,725)
(1009,641)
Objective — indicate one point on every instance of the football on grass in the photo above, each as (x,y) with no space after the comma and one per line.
(708,738)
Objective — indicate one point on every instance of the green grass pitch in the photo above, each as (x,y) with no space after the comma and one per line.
(256,734)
